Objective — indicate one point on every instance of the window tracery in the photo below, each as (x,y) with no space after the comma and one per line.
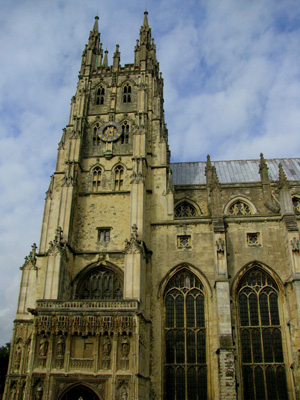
(119,177)
(185,338)
(239,207)
(127,93)
(185,210)
(100,284)
(100,95)
(262,360)
(296,204)
(96,179)
(96,139)
(125,133)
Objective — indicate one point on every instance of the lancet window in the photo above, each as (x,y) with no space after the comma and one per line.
(296,204)
(239,207)
(100,95)
(96,179)
(263,367)
(100,284)
(125,133)
(185,338)
(127,93)
(96,139)
(185,210)
(119,177)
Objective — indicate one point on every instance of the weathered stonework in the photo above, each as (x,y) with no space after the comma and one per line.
(125,233)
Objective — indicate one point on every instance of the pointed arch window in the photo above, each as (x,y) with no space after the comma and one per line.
(96,139)
(119,177)
(125,133)
(100,284)
(185,338)
(296,204)
(185,210)
(263,367)
(239,207)
(96,179)
(100,95)
(127,93)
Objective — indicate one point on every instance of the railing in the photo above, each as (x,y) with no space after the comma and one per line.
(88,305)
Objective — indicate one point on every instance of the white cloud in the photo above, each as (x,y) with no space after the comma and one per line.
(231,71)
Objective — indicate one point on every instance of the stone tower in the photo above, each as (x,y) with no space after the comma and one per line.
(155,280)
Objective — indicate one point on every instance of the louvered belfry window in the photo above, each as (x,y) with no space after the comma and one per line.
(185,338)
(262,361)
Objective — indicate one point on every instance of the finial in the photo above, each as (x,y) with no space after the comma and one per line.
(105,61)
(283,182)
(145,23)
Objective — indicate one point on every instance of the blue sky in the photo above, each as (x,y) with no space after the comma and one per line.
(232,90)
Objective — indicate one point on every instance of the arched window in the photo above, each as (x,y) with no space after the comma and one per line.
(96,139)
(100,284)
(100,95)
(96,179)
(185,210)
(119,177)
(127,93)
(185,338)
(239,207)
(262,362)
(296,204)
(125,133)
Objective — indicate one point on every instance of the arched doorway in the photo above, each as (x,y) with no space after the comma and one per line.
(80,392)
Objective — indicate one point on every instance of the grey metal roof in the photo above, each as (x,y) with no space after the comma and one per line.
(193,173)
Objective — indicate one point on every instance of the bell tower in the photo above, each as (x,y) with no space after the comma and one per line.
(83,314)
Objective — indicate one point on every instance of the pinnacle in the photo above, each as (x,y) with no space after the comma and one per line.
(95,28)
(145,23)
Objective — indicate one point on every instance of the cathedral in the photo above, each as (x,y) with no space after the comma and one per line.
(156,280)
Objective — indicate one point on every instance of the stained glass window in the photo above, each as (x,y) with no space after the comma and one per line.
(185,338)
(262,361)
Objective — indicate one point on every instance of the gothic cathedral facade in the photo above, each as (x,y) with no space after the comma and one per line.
(155,280)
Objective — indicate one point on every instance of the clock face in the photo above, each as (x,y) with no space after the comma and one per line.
(110,132)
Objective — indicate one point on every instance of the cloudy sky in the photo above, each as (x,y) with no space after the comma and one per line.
(232,90)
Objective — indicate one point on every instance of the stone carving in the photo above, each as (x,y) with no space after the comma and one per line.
(18,356)
(220,245)
(106,350)
(38,392)
(138,175)
(125,349)
(30,260)
(134,245)
(43,350)
(60,352)
(295,244)
(124,393)
(58,244)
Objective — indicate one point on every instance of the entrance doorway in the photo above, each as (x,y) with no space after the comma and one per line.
(80,392)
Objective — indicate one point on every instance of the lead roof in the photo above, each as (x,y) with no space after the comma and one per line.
(193,173)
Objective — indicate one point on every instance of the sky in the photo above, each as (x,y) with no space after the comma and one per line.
(231,72)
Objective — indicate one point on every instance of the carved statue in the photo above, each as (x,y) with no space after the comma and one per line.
(39,392)
(18,356)
(106,347)
(43,347)
(123,393)
(60,347)
(125,347)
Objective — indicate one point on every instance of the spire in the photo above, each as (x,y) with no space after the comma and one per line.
(95,28)
(105,61)
(282,180)
(145,23)
(116,58)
